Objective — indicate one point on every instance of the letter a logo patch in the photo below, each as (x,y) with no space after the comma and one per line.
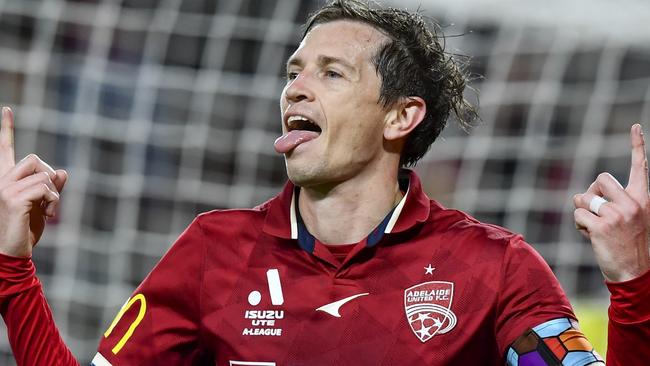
(428,309)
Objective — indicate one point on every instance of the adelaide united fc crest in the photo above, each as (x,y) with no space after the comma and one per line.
(428,308)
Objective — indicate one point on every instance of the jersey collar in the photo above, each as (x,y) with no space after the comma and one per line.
(283,218)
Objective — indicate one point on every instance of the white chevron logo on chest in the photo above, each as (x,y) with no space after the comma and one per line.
(333,307)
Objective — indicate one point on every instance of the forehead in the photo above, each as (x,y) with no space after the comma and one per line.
(354,41)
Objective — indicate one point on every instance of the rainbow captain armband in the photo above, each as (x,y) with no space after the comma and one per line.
(556,342)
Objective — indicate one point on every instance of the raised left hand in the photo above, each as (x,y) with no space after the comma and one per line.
(619,233)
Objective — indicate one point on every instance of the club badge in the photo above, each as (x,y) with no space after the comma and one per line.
(428,309)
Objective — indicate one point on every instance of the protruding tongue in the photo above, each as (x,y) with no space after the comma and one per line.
(290,140)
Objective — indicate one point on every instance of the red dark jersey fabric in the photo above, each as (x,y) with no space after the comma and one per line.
(629,322)
(485,286)
(428,286)
(32,333)
(340,252)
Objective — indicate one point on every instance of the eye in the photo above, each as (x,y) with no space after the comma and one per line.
(291,75)
(333,74)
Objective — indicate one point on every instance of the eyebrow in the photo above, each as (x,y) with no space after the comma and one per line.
(323,61)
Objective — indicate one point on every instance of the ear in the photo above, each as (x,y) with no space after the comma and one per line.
(404,117)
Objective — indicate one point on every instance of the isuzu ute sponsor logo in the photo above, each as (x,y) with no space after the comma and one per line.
(265,322)
(428,308)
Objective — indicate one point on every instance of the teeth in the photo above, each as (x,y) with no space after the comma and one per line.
(297,118)
(302,123)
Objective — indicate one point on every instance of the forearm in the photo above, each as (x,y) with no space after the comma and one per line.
(33,335)
(629,322)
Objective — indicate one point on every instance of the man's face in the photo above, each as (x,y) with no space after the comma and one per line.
(333,84)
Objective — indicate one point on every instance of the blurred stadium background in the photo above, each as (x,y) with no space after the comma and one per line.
(160,109)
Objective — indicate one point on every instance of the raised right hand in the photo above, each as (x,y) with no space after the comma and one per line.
(29,193)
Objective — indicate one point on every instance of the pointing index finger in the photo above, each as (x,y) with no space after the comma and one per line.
(7,157)
(637,185)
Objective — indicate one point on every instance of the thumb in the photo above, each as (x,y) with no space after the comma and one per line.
(60,179)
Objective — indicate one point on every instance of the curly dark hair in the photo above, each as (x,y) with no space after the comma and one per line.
(412,63)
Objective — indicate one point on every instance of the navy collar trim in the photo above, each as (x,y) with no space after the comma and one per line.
(282,219)
(307,241)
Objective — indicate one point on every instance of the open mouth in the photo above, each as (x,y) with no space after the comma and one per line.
(302,123)
(300,129)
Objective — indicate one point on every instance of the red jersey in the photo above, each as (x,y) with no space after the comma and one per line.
(428,286)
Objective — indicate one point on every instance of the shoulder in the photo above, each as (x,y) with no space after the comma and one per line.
(480,241)
(232,220)
(219,237)
(464,226)
(488,243)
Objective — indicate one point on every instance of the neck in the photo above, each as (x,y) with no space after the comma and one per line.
(347,212)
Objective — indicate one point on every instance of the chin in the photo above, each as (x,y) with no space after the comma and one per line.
(301,178)
(319,176)
(304,175)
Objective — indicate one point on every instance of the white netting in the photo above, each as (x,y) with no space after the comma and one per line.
(160,109)
(563,83)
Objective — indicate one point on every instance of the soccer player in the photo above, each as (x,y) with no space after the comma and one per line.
(351,264)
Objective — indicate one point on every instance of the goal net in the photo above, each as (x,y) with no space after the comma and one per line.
(160,109)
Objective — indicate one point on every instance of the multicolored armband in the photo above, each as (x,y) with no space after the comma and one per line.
(556,342)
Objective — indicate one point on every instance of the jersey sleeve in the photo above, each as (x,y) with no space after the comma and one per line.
(555,342)
(629,322)
(33,335)
(160,323)
(529,294)
(560,341)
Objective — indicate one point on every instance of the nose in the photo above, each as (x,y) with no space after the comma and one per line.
(299,89)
